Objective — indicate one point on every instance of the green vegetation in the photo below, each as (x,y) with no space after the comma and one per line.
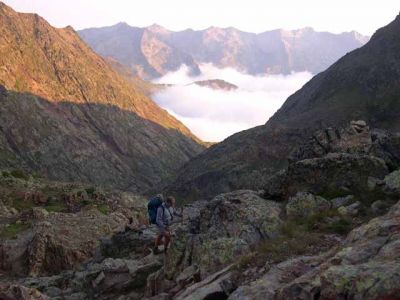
(56,207)
(11,231)
(329,221)
(104,209)
(19,174)
(20,204)
(245,261)
(5,174)
(284,247)
(90,191)
(341,226)
(298,237)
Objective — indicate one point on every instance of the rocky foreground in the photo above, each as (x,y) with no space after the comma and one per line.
(328,227)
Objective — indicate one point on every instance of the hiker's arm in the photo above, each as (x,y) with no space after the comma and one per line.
(159,219)
(178,214)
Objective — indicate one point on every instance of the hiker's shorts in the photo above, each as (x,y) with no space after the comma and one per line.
(162,230)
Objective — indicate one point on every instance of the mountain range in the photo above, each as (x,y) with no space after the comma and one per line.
(364,84)
(154,51)
(67,115)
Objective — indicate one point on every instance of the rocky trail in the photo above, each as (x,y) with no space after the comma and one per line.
(327,227)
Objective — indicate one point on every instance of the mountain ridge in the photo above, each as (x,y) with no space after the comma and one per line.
(269,52)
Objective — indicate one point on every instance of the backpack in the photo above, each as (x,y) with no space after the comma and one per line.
(152,207)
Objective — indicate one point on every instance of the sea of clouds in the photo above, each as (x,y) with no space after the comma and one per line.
(213,114)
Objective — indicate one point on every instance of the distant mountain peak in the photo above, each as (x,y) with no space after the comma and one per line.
(156,28)
(122,24)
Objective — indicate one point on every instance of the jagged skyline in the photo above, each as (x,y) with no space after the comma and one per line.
(253,15)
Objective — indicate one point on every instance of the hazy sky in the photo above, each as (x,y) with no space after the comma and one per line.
(364,16)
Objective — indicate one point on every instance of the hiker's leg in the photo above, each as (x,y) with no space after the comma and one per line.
(158,241)
(167,237)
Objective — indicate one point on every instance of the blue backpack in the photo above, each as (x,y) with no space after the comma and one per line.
(152,207)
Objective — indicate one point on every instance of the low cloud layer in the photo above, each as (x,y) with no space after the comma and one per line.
(213,114)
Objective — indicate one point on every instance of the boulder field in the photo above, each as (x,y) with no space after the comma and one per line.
(327,227)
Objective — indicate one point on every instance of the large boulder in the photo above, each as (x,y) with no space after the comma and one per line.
(108,279)
(128,243)
(215,232)
(266,287)
(20,292)
(392,182)
(304,205)
(216,286)
(332,175)
(357,138)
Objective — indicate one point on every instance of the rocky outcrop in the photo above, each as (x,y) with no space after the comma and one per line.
(338,163)
(61,232)
(215,286)
(357,138)
(108,279)
(11,292)
(332,175)
(366,266)
(214,233)
(60,242)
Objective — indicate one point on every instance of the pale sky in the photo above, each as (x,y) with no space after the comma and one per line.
(364,16)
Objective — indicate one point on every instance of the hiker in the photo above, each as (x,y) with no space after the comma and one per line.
(163,219)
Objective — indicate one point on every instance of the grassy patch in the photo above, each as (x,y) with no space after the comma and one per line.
(245,261)
(341,226)
(329,221)
(284,247)
(5,174)
(19,174)
(20,204)
(90,191)
(298,237)
(104,209)
(13,230)
(332,194)
(55,207)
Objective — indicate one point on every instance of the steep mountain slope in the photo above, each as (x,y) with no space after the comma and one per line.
(154,50)
(364,84)
(80,120)
(139,49)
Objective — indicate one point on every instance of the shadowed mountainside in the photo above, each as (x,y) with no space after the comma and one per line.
(82,121)
(93,143)
(364,84)
(153,51)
